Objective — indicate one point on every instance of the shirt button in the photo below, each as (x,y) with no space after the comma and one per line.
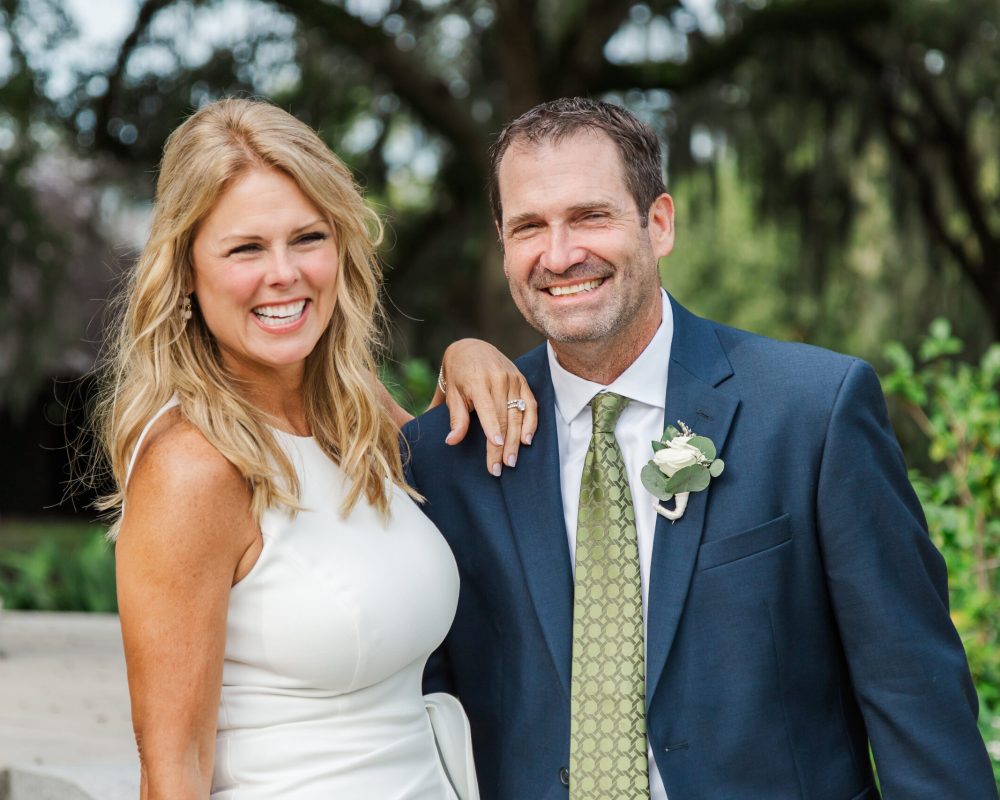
(564,776)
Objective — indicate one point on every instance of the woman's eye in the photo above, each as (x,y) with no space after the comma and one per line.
(250,247)
(308,238)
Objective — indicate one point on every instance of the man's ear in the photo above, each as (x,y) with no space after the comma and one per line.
(660,223)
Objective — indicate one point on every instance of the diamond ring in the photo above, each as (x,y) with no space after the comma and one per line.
(519,404)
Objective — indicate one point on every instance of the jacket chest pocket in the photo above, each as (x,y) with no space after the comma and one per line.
(746,546)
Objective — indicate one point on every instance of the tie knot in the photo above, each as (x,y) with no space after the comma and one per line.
(606,408)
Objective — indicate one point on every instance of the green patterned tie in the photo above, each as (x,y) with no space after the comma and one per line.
(608,707)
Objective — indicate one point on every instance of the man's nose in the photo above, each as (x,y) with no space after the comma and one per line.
(561,251)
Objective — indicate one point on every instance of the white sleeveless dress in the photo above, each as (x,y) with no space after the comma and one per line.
(326,641)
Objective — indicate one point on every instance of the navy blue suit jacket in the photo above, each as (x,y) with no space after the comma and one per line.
(797,611)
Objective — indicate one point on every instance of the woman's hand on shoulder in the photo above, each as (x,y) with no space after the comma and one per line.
(479,377)
(186,530)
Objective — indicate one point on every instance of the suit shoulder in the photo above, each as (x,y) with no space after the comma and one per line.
(426,453)
(778,366)
(431,426)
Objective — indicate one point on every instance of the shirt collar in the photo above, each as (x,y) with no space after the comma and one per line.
(645,380)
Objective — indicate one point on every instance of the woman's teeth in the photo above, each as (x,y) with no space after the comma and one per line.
(586,286)
(275,316)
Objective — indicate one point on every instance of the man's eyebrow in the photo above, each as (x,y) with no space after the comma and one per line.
(518,219)
(597,205)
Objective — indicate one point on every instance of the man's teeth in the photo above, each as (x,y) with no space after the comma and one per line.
(586,286)
(280,315)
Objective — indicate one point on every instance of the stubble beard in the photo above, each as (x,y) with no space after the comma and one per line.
(605,325)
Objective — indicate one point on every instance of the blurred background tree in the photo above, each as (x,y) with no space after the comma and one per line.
(861,132)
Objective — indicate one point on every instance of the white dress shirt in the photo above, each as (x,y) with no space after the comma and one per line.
(644,383)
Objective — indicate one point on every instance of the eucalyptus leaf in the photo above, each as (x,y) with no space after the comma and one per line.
(704,444)
(657,446)
(670,433)
(716,467)
(690,479)
(655,482)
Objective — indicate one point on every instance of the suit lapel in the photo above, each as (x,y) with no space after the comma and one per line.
(533,495)
(698,364)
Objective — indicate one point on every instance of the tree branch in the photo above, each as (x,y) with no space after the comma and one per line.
(719,57)
(579,57)
(519,44)
(956,144)
(928,192)
(105,106)
(428,98)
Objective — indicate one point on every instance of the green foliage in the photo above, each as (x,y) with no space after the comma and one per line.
(655,482)
(734,263)
(689,479)
(54,576)
(410,382)
(957,407)
(728,263)
(706,445)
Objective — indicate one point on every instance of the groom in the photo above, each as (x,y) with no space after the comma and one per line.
(794,615)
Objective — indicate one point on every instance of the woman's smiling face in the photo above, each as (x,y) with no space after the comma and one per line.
(265,274)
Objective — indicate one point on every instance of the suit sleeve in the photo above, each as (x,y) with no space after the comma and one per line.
(437,672)
(889,588)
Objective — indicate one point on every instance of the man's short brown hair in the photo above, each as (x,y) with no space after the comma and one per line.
(638,147)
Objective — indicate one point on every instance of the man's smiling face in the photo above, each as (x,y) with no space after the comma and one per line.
(581,265)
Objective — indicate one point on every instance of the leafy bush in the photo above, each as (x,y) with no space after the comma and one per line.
(52,576)
(957,407)
(411,383)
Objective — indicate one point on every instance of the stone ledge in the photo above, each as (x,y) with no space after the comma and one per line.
(70,782)
(65,728)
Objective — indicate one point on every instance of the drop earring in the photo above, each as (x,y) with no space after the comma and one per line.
(184,308)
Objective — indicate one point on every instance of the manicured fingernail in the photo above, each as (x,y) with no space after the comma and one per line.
(511,460)
(449,437)
(527,438)
(498,439)
(496,470)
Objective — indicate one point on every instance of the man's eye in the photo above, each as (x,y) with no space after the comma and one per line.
(528,227)
(595,216)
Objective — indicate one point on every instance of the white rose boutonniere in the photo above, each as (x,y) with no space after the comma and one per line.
(682,462)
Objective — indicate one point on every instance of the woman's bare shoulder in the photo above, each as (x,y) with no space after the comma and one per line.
(184,484)
(175,453)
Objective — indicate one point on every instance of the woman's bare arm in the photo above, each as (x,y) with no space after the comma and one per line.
(187,534)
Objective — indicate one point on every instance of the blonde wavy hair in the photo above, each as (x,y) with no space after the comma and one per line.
(155,355)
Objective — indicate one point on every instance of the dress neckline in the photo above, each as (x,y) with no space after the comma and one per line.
(294,436)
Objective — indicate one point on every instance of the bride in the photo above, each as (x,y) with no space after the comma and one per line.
(279,589)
